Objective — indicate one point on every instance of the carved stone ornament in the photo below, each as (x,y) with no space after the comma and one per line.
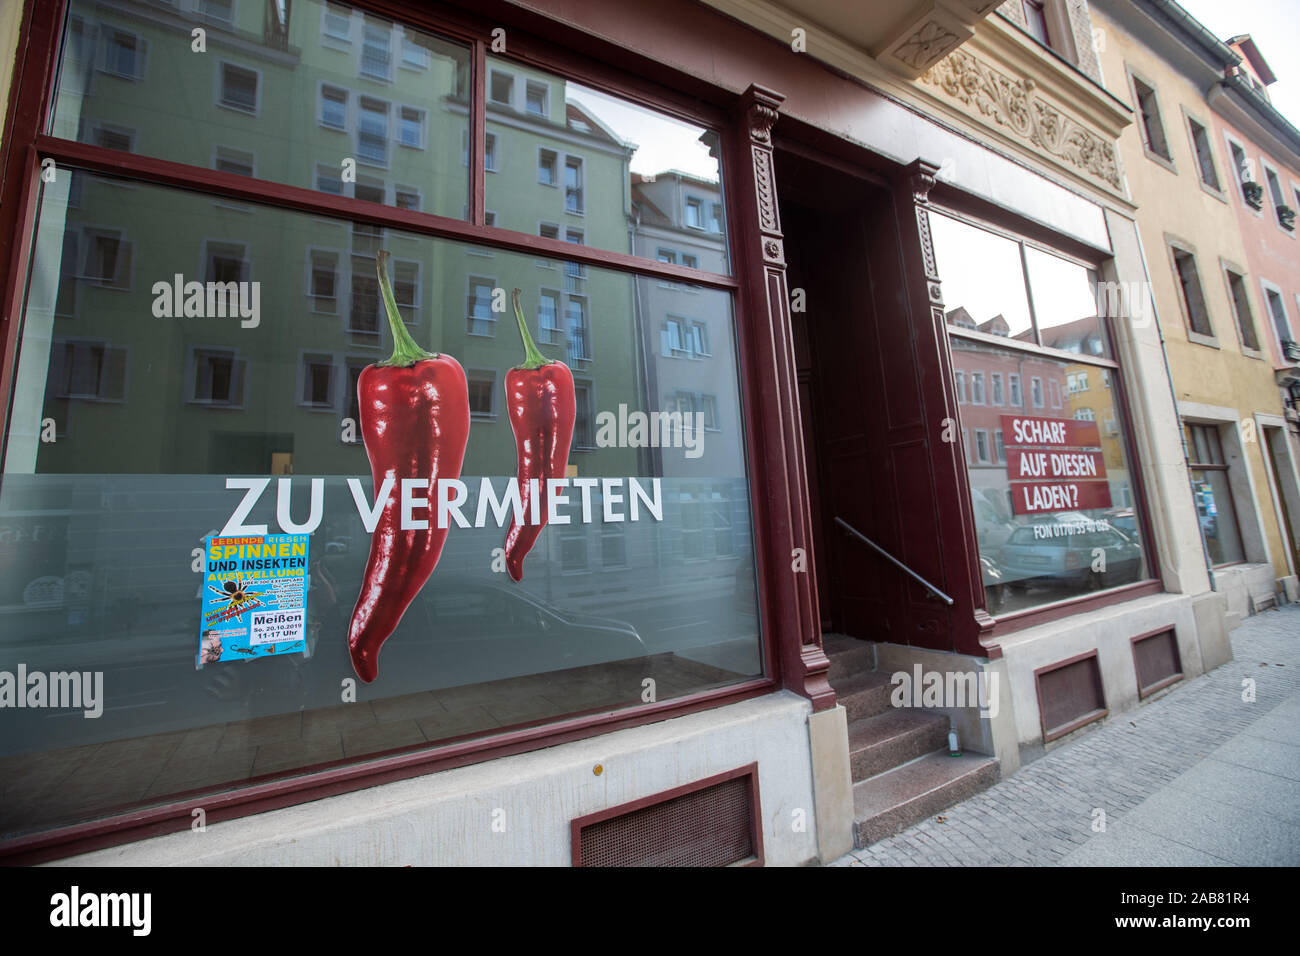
(773,251)
(761,120)
(926,45)
(1012,103)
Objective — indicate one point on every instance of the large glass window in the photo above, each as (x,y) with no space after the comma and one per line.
(1212,494)
(1051,479)
(136,401)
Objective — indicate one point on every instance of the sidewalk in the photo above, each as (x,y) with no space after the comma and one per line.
(1198,777)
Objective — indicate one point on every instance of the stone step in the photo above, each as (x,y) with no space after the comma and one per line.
(863,695)
(890,802)
(848,655)
(891,739)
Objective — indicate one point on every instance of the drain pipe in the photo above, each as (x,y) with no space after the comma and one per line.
(1173,395)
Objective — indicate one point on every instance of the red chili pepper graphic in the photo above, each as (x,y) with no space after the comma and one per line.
(415,424)
(542,406)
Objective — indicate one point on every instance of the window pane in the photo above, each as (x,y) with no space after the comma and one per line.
(154,413)
(601,161)
(1065,304)
(1055,509)
(1213,497)
(983,279)
(242,97)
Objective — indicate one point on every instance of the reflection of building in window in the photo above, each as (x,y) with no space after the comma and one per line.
(981,446)
(1013,382)
(547,167)
(317,381)
(87,370)
(583,434)
(482,393)
(408,197)
(1085,415)
(501,88)
(123,54)
(694,212)
(216,377)
(226,262)
(372,133)
(999,446)
(238,88)
(230,160)
(113,137)
(959,378)
(573,547)
(573,192)
(579,329)
(724,542)
(1036,391)
(376,57)
(364,315)
(478,306)
(410,127)
(977,388)
(337,23)
(537,98)
(107,258)
(996,379)
(613,546)
(352,401)
(549,331)
(696,403)
(323,288)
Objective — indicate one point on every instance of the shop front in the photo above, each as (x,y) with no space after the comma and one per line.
(282,564)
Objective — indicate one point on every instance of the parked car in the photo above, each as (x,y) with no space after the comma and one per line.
(1028,558)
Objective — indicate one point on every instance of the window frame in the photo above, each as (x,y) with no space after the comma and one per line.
(1228,270)
(1166,159)
(1176,247)
(1190,125)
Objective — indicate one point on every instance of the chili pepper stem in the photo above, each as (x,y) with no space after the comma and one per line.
(405,350)
(533,358)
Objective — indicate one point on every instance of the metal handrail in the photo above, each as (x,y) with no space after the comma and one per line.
(894,561)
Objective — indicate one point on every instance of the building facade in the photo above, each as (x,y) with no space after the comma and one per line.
(818,277)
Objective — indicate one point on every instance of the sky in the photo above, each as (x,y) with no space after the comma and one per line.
(1274,25)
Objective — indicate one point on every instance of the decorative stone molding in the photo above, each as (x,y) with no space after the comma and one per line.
(1014,105)
(933,33)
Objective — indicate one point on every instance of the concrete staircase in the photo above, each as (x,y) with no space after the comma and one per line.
(902,772)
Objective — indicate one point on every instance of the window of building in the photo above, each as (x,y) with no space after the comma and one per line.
(977,388)
(236,161)
(216,377)
(1244,170)
(408,197)
(695,212)
(336,23)
(222,11)
(238,88)
(1212,494)
(1190,294)
(1151,127)
(92,371)
(959,379)
(107,259)
(1241,313)
(410,127)
(584,433)
(376,51)
(415,55)
(372,134)
(547,167)
(579,329)
(482,393)
(317,381)
(1036,21)
(1284,214)
(1277,311)
(996,379)
(573,195)
(478,306)
(123,54)
(1050,491)
(1204,155)
(538,95)
(113,137)
(490,159)
(549,330)
(323,281)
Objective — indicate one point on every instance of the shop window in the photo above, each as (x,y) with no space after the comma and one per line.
(1151,127)
(239,88)
(1241,313)
(260,401)
(1050,489)
(1212,494)
(547,173)
(1190,294)
(1204,155)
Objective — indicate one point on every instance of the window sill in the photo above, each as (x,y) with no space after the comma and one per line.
(1198,338)
(1218,194)
(1160,160)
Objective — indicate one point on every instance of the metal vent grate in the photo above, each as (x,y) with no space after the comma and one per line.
(1156,660)
(709,825)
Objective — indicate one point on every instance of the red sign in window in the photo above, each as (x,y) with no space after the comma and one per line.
(1053,465)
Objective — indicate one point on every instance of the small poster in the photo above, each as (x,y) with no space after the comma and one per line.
(1053,465)
(254,597)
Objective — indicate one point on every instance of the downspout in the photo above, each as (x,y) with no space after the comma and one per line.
(1173,395)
